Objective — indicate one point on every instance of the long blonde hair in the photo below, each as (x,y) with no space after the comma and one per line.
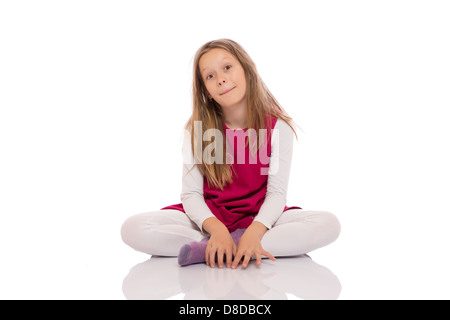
(260,104)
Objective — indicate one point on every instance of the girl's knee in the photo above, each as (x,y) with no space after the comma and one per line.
(129,229)
(134,227)
(330,223)
(141,231)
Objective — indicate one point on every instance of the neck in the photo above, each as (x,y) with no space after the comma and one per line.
(236,117)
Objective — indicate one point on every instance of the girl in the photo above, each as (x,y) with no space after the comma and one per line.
(233,197)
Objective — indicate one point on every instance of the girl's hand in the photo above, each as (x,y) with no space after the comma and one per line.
(220,243)
(250,246)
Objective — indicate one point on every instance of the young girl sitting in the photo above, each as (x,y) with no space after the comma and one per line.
(237,155)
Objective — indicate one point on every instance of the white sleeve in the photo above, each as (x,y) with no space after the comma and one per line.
(192,187)
(279,169)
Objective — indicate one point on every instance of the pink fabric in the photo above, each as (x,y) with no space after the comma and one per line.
(238,204)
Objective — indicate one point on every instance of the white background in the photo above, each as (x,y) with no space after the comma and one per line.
(94,96)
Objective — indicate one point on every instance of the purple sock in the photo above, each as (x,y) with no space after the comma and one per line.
(194,252)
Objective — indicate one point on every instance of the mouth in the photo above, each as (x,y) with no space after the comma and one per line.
(226,91)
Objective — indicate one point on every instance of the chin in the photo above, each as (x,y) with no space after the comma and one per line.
(231,103)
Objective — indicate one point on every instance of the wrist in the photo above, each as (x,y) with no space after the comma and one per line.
(213,225)
(258,228)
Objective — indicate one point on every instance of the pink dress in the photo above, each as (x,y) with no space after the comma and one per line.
(239,203)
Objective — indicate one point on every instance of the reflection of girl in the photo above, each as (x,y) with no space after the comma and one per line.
(301,277)
(232,211)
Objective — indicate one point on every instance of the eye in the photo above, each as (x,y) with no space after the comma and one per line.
(209,76)
(228,67)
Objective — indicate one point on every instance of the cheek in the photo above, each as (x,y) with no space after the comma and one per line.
(240,78)
(242,83)
(208,88)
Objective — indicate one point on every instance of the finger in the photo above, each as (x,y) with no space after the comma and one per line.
(237,259)
(212,258)
(246,261)
(268,255)
(229,257)
(207,250)
(220,258)
(258,259)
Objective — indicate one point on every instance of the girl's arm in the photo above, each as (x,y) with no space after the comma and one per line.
(279,171)
(275,201)
(220,242)
(192,187)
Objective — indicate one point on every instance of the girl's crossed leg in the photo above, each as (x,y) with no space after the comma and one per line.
(164,232)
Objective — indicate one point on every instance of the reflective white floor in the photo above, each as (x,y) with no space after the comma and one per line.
(287,278)
(93,263)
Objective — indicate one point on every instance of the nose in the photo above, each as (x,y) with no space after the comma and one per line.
(221,81)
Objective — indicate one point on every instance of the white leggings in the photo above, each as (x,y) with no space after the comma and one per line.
(164,232)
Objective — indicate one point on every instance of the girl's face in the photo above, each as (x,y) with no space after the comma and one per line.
(223,77)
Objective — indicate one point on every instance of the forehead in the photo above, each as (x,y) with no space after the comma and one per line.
(214,57)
